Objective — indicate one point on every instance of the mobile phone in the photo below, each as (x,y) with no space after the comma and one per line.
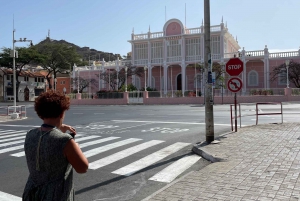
(73,135)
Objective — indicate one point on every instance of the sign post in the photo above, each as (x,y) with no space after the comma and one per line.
(234,67)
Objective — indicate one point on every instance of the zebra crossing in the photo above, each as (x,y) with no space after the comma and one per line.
(12,142)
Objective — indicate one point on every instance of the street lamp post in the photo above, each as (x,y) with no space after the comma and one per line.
(15,114)
(78,81)
(160,81)
(145,69)
(222,65)
(117,78)
(126,68)
(287,63)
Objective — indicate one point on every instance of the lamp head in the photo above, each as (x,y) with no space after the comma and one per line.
(287,62)
(145,67)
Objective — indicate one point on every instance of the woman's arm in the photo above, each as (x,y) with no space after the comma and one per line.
(75,157)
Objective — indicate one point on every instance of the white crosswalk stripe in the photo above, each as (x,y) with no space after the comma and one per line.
(8,197)
(10,132)
(13,141)
(150,159)
(11,149)
(99,150)
(175,169)
(20,154)
(18,134)
(122,154)
(97,141)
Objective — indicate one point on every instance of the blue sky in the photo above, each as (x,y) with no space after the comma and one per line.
(106,25)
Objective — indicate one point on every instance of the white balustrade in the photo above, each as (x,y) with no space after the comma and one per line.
(215,56)
(284,54)
(193,58)
(157,34)
(231,54)
(256,53)
(157,60)
(215,28)
(193,31)
(174,59)
(141,62)
(140,37)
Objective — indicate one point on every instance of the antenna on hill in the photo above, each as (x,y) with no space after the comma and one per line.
(49,33)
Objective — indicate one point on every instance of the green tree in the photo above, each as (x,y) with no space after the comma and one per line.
(216,67)
(26,55)
(111,77)
(57,58)
(84,83)
(279,73)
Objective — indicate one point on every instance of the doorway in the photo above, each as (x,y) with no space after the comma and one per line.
(26,94)
(179,84)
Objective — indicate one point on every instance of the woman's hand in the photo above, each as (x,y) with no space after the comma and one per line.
(64,128)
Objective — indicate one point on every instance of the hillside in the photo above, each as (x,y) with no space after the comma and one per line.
(87,53)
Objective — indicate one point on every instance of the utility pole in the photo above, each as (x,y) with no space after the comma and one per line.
(209,112)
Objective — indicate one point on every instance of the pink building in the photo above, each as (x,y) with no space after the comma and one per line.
(171,56)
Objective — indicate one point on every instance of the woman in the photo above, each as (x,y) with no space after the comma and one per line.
(51,152)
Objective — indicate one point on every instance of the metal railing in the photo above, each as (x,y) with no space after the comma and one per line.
(20,109)
(273,113)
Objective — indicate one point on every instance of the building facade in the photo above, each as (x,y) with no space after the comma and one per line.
(171,57)
(31,85)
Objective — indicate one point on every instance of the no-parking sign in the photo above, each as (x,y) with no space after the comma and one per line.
(234,84)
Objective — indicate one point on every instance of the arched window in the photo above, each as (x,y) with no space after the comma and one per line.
(153,82)
(137,82)
(282,77)
(253,78)
(197,80)
(162,83)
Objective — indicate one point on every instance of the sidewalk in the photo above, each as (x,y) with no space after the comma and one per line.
(257,163)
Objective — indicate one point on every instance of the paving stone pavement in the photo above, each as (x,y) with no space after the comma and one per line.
(257,163)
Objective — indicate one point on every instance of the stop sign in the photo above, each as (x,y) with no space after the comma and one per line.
(234,67)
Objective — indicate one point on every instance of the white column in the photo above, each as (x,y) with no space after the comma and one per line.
(149,81)
(165,79)
(182,49)
(267,68)
(165,51)
(244,76)
(244,73)
(202,46)
(132,53)
(183,72)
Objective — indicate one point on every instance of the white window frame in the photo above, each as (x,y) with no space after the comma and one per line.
(156,52)
(192,44)
(141,51)
(250,81)
(215,44)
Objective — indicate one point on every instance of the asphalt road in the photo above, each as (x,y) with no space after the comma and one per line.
(140,148)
